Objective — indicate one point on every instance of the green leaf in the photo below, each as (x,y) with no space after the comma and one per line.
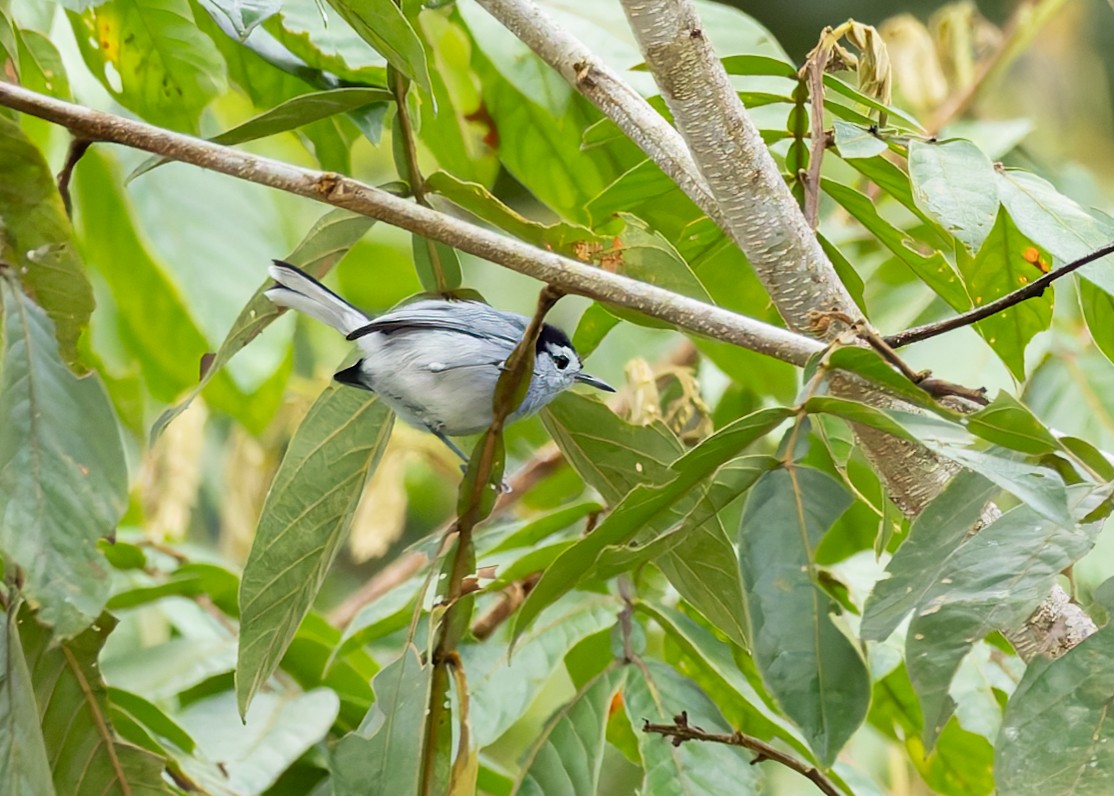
(953,183)
(480,202)
(932,269)
(288,115)
(36,239)
(855,412)
(324,245)
(71,709)
(1038,753)
(426,252)
(385,754)
(592,328)
(382,24)
(1039,487)
(1056,223)
(279,729)
(24,767)
(856,141)
(151,717)
(1010,423)
(656,693)
(815,673)
(150,55)
(62,470)
(758,65)
(994,579)
(568,755)
(869,364)
(833,83)
(40,65)
(503,685)
(317,35)
(1000,267)
(243,15)
(156,325)
(1098,311)
(304,521)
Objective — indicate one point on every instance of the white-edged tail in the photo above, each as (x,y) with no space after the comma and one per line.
(300,291)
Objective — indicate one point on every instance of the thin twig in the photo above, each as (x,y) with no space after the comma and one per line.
(333,189)
(1031,290)
(78,147)
(680,731)
(510,600)
(937,388)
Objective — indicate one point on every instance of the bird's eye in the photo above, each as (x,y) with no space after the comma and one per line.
(561,361)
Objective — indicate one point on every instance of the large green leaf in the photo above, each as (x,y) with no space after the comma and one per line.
(251,756)
(568,755)
(385,754)
(656,693)
(71,709)
(36,239)
(305,519)
(152,58)
(994,579)
(815,673)
(1010,423)
(953,184)
(1098,311)
(327,241)
(916,567)
(1000,267)
(63,479)
(382,24)
(1038,752)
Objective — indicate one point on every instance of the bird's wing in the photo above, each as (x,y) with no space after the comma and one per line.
(462,317)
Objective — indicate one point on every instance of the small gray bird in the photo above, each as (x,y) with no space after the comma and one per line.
(435,362)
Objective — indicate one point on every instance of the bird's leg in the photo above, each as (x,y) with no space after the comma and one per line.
(451,445)
(504,487)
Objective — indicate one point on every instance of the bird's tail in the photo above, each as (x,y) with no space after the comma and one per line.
(298,290)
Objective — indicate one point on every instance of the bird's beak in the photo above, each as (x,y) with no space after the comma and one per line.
(592,381)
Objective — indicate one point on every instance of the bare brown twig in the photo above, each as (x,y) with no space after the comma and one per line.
(1031,290)
(680,731)
(78,147)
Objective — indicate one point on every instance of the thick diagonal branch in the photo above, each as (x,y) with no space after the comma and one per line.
(567,274)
